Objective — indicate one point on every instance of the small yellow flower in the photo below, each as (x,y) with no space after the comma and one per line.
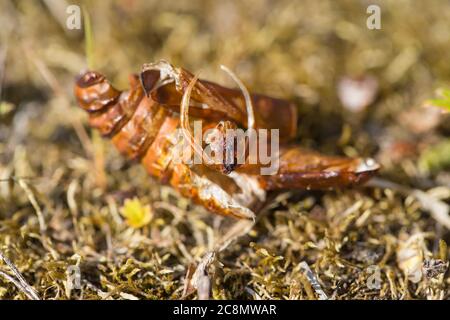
(5,108)
(137,215)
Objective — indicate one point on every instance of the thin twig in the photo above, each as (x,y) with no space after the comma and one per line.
(248,99)
(34,203)
(46,242)
(21,284)
(313,280)
(15,178)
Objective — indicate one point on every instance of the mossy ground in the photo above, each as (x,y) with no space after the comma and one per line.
(68,211)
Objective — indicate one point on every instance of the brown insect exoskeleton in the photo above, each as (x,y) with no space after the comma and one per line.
(143,124)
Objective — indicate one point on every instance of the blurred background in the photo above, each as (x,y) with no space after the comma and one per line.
(379,93)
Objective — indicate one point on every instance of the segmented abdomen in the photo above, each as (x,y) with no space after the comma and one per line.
(138,126)
(143,130)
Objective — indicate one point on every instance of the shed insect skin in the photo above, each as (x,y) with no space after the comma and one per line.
(142,130)
(141,123)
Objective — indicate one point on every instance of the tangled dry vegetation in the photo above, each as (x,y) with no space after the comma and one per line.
(63,190)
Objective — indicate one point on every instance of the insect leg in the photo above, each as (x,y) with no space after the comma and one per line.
(207,193)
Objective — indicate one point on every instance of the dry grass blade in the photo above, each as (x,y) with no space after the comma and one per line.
(34,203)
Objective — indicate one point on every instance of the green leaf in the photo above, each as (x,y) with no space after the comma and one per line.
(445,93)
(435,157)
(441,103)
